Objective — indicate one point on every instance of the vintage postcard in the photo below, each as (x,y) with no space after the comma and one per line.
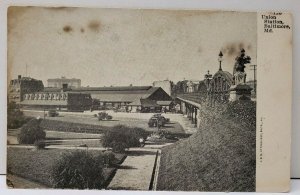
(140,99)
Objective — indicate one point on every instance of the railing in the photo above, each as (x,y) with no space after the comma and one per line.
(211,97)
(195,97)
(151,186)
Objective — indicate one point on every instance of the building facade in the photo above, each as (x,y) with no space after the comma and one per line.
(219,87)
(60,82)
(71,101)
(22,85)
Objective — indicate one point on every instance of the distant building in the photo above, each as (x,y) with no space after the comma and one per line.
(165,85)
(187,86)
(61,100)
(22,85)
(59,82)
(192,86)
(130,98)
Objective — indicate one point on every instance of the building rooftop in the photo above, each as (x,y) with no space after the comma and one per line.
(120,94)
(25,79)
(63,78)
(225,74)
(120,88)
(114,94)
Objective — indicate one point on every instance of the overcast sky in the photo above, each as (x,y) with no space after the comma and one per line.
(105,47)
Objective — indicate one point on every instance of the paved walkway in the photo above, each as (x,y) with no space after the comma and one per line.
(135,172)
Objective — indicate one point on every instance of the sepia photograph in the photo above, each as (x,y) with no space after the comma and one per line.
(132,99)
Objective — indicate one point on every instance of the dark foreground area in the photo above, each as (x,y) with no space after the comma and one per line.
(36,165)
(221,156)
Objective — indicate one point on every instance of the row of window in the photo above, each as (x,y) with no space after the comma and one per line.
(46,96)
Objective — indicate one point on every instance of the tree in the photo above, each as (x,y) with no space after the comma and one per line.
(121,137)
(15,117)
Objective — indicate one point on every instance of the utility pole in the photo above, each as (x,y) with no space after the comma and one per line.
(254,72)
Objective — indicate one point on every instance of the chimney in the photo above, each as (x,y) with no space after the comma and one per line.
(19,77)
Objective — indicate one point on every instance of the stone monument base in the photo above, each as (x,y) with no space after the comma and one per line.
(240,92)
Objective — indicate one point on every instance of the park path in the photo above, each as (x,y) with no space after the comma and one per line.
(135,172)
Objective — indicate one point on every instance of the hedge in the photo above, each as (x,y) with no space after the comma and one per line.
(54,125)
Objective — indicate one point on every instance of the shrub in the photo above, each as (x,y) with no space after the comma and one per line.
(15,117)
(78,170)
(119,147)
(109,158)
(39,144)
(243,111)
(240,111)
(121,137)
(31,132)
(64,126)
(222,151)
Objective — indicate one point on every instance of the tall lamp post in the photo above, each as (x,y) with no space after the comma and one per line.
(220,59)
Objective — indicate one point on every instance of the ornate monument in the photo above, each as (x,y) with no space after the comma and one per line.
(240,90)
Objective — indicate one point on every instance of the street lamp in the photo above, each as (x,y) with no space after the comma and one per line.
(220,59)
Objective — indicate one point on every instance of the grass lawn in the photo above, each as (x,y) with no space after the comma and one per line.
(62,138)
(83,123)
(36,165)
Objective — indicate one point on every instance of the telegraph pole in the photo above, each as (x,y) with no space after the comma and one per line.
(254,72)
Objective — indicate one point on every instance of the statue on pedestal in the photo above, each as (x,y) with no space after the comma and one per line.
(239,75)
(239,90)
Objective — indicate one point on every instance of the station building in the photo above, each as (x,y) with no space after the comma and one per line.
(129,98)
